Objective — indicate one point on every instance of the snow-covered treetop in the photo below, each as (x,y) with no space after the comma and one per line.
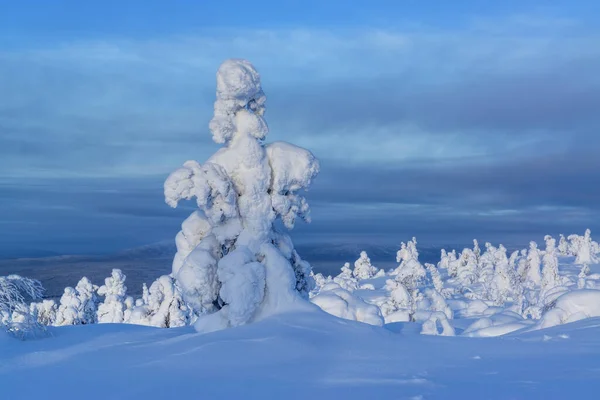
(238,88)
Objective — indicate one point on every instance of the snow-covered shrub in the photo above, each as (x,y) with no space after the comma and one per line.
(114,292)
(230,258)
(363,268)
(438,303)
(341,303)
(15,315)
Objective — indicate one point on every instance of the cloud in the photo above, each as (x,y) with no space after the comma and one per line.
(490,126)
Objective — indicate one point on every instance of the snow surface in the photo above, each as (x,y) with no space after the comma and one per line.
(300,355)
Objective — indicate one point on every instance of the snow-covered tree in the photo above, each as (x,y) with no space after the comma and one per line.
(145,294)
(467,267)
(563,246)
(86,293)
(522,265)
(487,265)
(444,260)
(504,278)
(346,279)
(363,268)
(167,308)
(399,298)
(230,258)
(550,278)
(533,276)
(410,271)
(583,273)
(574,244)
(114,292)
(584,249)
(45,311)
(436,278)
(69,310)
(15,316)
(476,251)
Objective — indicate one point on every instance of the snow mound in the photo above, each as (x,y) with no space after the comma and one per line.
(341,303)
(570,307)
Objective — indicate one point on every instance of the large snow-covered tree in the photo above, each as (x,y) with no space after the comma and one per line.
(231,259)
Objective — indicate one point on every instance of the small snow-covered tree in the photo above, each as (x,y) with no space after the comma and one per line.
(563,246)
(574,244)
(444,260)
(45,311)
(522,265)
(436,279)
(467,267)
(584,249)
(410,271)
(399,298)
(583,273)
(230,258)
(503,277)
(476,251)
(438,303)
(487,265)
(346,279)
(86,293)
(167,308)
(533,277)
(114,292)
(69,310)
(550,278)
(363,268)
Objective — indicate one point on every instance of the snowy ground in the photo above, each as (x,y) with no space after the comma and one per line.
(310,355)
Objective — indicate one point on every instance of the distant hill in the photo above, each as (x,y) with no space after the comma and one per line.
(146,263)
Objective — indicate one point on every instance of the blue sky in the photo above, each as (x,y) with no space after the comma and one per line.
(445,120)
